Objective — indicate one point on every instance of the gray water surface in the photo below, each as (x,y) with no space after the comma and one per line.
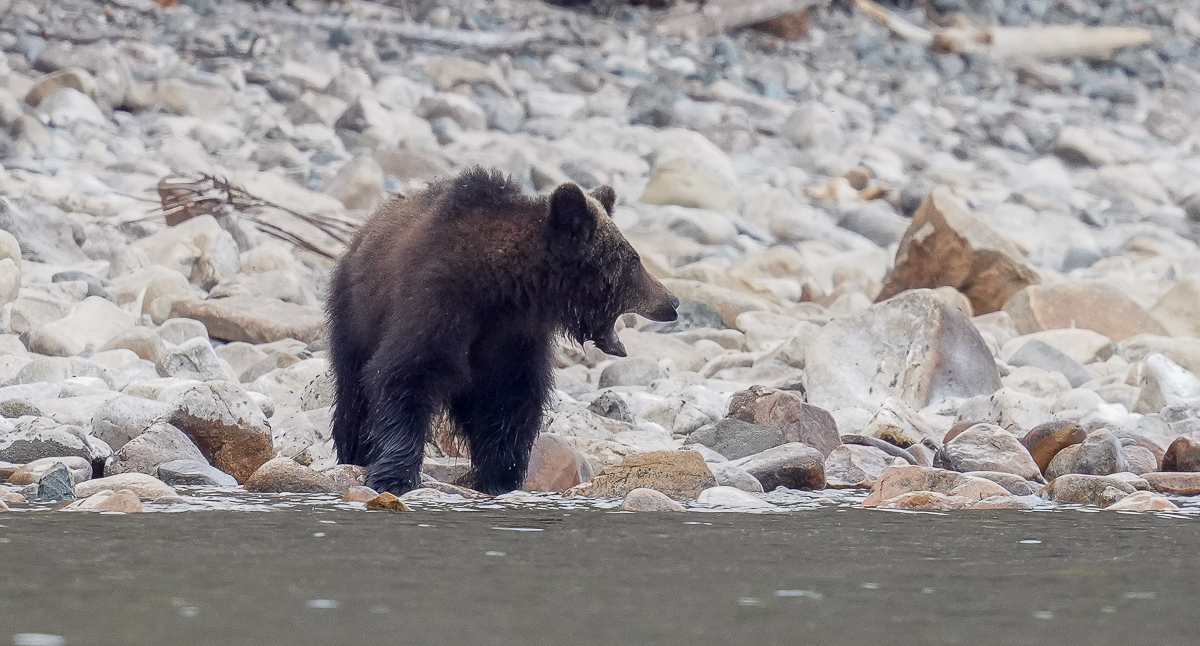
(310,574)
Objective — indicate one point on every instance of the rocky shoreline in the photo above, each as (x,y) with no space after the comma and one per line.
(955,282)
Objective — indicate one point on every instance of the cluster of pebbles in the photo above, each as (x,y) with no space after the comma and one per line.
(958,282)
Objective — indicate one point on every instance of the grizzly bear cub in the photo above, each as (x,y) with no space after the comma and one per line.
(450,300)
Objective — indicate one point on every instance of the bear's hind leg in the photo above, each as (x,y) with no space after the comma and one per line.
(501,415)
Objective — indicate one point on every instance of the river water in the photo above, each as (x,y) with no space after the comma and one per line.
(279,570)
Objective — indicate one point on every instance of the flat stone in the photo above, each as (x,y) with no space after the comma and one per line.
(946,245)
(124,501)
(1182,455)
(253,319)
(735,439)
(733,498)
(987,447)
(1089,305)
(861,359)
(38,437)
(731,475)
(926,501)
(80,468)
(644,499)
(91,324)
(1045,440)
(800,422)
(193,473)
(450,470)
(146,487)
(899,480)
(792,465)
(681,475)
(555,466)
(1080,489)
(1142,501)
(1039,354)
(285,475)
(1175,483)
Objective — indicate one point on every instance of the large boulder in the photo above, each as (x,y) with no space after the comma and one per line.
(689,170)
(227,425)
(1044,441)
(146,487)
(987,447)
(1080,489)
(800,422)
(681,475)
(852,466)
(735,439)
(285,475)
(792,465)
(946,245)
(914,347)
(253,319)
(555,466)
(1182,455)
(1089,305)
(158,444)
(899,480)
(91,324)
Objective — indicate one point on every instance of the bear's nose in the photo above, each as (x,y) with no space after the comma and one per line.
(673,298)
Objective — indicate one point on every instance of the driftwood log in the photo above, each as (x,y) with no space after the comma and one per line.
(1013,43)
(720,16)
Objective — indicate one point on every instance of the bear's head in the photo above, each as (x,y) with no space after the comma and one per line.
(604,276)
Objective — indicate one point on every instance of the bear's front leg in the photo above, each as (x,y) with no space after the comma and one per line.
(501,414)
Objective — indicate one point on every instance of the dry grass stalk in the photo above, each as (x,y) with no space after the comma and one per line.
(185,197)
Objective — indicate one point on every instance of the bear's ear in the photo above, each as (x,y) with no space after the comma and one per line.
(571,221)
(606,196)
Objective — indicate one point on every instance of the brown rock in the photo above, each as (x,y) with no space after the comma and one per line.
(359,494)
(1176,483)
(643,499)
(947,245)
(7,469)
(1080,489)
(253,319)
(789,26)
(682,475)
(1182,455)
(555,466)
(792,465)
(1015,484)
(123,500)
(227,426)
(285,475)
(144,486)
(899,480)
(1090,305)
(1142,501)
(1046,440)
(347,476)
(12,496)
(925,501)
(957,430)
(387,502)
(799,421)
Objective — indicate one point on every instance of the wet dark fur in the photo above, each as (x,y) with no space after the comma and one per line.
(450,300)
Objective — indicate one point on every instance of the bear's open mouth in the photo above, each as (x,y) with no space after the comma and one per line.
(609,343)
